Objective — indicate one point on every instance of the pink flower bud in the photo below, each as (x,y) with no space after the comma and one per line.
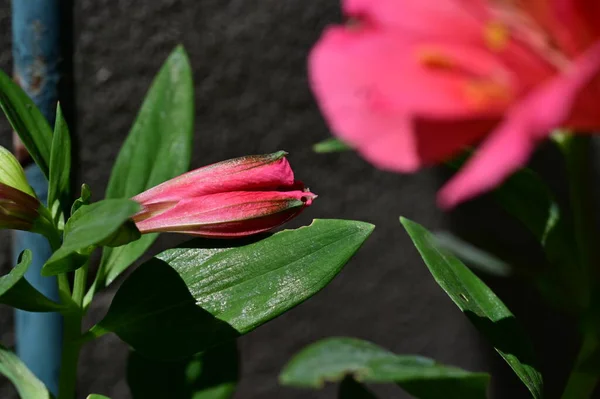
(229,199)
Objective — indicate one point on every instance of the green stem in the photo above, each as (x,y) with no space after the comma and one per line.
(64,288)
(48,229)
(70,355)
(87,300)
(72,337)
(53,237)
(97,284)
(576,149)
(71,344)
(582,381)
(94,332)
(577,153)
(80,284)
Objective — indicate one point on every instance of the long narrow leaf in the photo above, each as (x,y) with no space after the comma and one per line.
(157,148)
(27,384)
(27,120)
(479,303)
(60,161)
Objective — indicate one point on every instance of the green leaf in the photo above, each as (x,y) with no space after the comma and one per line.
(472,255)
(116,260)
(96,396)
(60,161)
(15,291)
(28,386)
(27,120)
(154,312)
(191,298)
(87,227)
(526,197)
(157,149)
(212,374)
(350,389)
(331,359)
(128,232)
(479,303)
(331,145)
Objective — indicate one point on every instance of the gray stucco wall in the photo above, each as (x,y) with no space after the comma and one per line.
(252,97)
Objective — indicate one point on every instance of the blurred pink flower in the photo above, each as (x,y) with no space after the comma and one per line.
(229,199)
(410,83)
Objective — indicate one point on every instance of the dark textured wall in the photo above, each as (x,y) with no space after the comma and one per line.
(252,97)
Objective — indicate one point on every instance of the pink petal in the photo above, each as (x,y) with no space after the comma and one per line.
(424,18)
(576,23)
(372,85)
(532,119)
(434,141)
(257,172)
(232,213)
(248,227)
(440,140)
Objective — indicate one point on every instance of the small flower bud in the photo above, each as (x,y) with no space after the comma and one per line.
(12,174)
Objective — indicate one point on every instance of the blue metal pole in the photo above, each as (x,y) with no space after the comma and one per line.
(36,54)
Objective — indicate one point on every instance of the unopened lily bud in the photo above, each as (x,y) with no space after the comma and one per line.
(18,210)
(12,173)
(233,198)
(18,204)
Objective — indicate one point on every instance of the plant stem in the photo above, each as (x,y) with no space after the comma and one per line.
(97,284)
(72,337)
(582,381)
(80,284)
(71,344)
(70,355)
(64,290)
(54,239)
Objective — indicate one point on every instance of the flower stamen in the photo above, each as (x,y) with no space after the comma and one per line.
(496,35)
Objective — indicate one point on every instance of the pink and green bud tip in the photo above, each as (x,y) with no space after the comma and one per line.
(229,199)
